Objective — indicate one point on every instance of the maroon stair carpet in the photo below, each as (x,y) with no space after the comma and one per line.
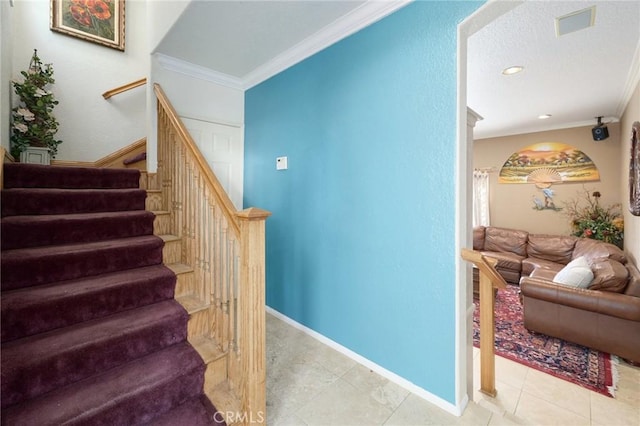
(91,333)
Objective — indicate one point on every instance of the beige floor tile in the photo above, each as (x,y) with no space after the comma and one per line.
(532,410)
(505,401)
(610,411)
(507,419)
(558,392)
(278,414)
(507,371)
(628,389)
(416,411)
(309,383)
(511,372)
(292,386)
(475,414)
(330,359)
(341,403)
(377,387)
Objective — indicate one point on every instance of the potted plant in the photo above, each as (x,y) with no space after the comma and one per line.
(34,124)
(590,220)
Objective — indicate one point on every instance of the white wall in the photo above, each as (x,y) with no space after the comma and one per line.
(196,98)
(512,204)
(90,126)
(5,72)
(631,222)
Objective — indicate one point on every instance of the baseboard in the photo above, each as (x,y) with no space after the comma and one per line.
(400,381)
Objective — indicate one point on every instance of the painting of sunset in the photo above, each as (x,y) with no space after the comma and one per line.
(564,162)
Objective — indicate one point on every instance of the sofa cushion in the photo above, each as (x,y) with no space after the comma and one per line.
(478,238)
(554,248)
(543,274)
(506,240)
(531,264)
(633,287)
(506,260)
(577,273)
(595,249)
(609,275)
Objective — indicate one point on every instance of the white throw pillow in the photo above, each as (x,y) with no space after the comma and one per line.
(577,273)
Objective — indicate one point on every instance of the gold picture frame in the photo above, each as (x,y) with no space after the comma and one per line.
(97,21)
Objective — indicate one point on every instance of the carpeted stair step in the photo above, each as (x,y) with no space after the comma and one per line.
(33,310)
(47,201)
(38,364)
(45,230)
(41,265)
(132,394)
(195,412)
(19,175)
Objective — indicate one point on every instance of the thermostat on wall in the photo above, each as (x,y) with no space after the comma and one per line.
(281,163)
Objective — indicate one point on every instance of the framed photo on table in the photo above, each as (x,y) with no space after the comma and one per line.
(97,21)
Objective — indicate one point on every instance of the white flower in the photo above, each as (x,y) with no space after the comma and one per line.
(40,93)
(28,115)
(21,127)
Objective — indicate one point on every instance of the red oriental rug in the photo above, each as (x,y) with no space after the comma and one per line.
(577,364)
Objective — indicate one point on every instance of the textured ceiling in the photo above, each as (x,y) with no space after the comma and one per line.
(236,37)
(574,78)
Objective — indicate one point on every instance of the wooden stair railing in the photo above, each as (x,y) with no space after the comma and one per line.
(489,279)
(109,93)
(225,250)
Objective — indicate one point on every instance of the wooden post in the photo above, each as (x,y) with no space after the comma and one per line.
(487,336)
(489,279)
(251,313)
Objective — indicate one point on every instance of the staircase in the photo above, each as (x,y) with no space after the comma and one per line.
(91,332)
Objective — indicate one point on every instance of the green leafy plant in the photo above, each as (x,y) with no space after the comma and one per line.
(33,121)
(590,220)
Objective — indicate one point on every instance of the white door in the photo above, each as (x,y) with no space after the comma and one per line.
(223,148)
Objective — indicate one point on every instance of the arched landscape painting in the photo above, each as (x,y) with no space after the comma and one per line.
(549,162)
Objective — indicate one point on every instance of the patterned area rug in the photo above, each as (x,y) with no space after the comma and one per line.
(577,364)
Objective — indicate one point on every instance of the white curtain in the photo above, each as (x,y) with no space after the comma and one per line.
(480,198)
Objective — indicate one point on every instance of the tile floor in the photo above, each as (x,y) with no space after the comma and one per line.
(309,383)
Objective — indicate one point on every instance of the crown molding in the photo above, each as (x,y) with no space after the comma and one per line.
(632,81)
(357,19)
(196,71)
(539,129)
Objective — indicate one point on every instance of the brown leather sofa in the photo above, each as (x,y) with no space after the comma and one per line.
(604,316)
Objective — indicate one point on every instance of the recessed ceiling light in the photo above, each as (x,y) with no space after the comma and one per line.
(512,70)
(544,116)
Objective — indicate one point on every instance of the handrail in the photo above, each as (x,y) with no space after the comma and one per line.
(225,251)
(124,88)
(228,206)
(489,279)
(2,154)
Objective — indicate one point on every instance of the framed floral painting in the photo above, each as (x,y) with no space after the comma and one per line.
(98,21)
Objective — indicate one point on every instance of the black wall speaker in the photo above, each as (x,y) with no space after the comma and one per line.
(600,133)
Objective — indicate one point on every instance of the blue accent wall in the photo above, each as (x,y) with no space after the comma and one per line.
(361,245)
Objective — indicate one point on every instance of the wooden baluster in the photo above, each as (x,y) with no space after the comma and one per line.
(233,312)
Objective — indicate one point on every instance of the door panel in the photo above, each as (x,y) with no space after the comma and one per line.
(223,148)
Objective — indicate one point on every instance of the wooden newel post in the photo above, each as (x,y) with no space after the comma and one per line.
(489,279)
(251,315)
